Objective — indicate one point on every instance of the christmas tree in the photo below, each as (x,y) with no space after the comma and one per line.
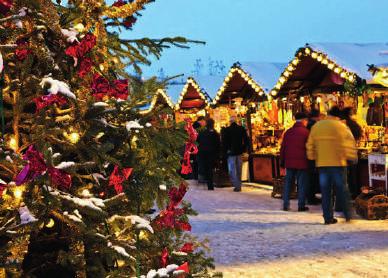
(89,185)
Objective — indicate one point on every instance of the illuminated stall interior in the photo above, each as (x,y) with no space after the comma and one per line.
(244,93)
(326,74)
(194,100)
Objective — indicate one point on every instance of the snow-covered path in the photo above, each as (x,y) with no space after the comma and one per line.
(251,237)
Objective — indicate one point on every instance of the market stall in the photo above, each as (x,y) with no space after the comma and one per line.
(326,74)
(194,97)
(244,94)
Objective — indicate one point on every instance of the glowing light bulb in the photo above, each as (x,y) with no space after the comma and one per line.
(331,66)
(302,99)
(12,143)
(295,61)
(343,74)
(282,79)
(74,137)
(325,61)
(314,55)
(18,193)
(337,70)
(51,223)
(274,93)
(261,93)
(79,27)
(290,68)
(319,99)
(307,50)
(101,66)
(351,78)
(278,86)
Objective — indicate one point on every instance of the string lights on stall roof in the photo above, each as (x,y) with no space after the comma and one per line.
(251,82)
(192,82)
(162,93)
(316,55)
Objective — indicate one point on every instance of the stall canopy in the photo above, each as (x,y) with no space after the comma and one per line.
(195,93)
(249,81)
(160,98)
(326,66)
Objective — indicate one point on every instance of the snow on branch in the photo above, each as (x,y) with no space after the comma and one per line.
(139,222)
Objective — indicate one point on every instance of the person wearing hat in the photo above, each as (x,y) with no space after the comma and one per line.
(293,157)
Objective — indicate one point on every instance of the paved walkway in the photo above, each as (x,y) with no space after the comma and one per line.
(251,237)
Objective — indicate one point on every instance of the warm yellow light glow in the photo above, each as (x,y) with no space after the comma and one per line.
(282,79)
(351,78)
(319,58)
(261,93)
(290,68)
(120,263)
(319,99)
(325,61)
(295,61)
(278,86)
(274,93)
(12,144)
(314,55)
(79,27)
(74,137)
(286,73)
(330,66)
(302,99)
(343,74)
(51,223)
(337,70)
(18,192)
(307,50)
(101,66)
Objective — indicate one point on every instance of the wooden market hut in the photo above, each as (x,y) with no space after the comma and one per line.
(242,93)
(194,99)
(346,74)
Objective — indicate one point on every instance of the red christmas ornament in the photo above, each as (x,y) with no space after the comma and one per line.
(190,148)
(59,178)
(176,195)
(37,166)
(187,248)
(119,89)
(164,258)
(184,226)
(116,179)
(5,6)
(84,67)
(47,100)
(184,267)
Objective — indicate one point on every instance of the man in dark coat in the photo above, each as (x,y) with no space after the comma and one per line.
(294,158)
(208,151)
(235,143)
(198,125)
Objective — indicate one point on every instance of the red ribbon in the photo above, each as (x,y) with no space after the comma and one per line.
(37,167)
(117,178)
(184,267)
(164,258)
(44,101)
(190,148)
(101,88)
(176,195)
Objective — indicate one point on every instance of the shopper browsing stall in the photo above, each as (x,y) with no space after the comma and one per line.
(293,158)
(235,143)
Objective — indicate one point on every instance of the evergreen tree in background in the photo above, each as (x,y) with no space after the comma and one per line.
(81,170)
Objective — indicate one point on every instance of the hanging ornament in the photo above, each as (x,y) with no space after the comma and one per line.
(117,178)
(176,195)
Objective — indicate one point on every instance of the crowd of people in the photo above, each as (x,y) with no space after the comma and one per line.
(319,154)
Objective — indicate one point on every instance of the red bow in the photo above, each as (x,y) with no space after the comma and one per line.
(37,167)
(164,258)
(101,88)
(116,179)
(176,195)
(44,101)
(79,50)
(84,67)
(22,50)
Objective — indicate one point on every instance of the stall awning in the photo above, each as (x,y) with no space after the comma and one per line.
(248,80)
(328,65)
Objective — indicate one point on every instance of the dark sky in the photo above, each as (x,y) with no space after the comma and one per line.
(257,30)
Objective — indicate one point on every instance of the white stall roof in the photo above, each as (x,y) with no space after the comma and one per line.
(354,57)
(265,74)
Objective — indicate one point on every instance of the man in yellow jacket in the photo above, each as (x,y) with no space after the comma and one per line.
(332,146)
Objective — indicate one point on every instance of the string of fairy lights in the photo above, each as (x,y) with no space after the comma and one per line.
(247,77)
(154,102)
(316,55)
(194,84)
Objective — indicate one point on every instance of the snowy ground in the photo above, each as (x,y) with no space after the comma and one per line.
(251,237)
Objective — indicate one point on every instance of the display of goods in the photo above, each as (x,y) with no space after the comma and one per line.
(371,206)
